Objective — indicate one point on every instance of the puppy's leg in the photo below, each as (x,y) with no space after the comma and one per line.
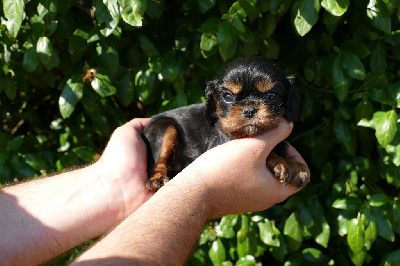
(288,170)
(161,167)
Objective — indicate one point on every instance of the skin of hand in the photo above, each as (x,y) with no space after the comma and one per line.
(229,179)
(43,218)
(124,161)
(241,182)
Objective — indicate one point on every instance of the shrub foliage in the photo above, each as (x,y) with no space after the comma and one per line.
(71,71)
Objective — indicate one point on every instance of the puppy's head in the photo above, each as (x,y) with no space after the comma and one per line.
(249,97)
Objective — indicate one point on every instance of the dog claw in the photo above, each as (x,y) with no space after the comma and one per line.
(292,173)
(155,183)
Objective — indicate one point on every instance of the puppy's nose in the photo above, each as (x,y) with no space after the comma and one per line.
(249,112)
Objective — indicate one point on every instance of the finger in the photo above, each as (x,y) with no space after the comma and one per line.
(138,124)
(271,138)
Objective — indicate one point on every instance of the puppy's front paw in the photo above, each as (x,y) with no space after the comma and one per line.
(156,182)
(289,171)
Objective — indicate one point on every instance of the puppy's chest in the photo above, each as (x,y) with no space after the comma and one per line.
(201,141)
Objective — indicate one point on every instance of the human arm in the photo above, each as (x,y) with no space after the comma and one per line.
(43,218)
(166,228)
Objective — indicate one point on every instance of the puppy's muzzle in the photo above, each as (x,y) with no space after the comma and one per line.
(249,112)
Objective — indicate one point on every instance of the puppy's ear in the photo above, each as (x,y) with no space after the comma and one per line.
(211,101)
(293,101)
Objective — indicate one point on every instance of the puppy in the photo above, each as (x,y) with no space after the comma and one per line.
(246,99)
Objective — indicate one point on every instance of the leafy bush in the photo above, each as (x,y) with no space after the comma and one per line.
(71,71)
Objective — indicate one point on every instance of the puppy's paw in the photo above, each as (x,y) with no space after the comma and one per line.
(289,171)
(156,182)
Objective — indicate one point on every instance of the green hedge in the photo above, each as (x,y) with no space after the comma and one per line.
(71,71)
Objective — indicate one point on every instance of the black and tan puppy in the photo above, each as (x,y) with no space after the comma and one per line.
(246,99)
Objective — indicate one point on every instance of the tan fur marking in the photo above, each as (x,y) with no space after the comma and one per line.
(288,170)
(264,85)
(237,126)
(235,88)
(161,167)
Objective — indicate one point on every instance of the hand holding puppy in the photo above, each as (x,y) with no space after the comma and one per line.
(236,177)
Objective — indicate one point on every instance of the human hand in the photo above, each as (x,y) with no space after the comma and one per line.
(123,165)
(236,177)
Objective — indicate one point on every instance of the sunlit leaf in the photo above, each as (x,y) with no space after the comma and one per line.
(336,7)
(385,125)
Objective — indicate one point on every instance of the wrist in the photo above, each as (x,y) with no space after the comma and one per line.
(125,189)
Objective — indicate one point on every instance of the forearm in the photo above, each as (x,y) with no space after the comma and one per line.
(46,217)
(164,230)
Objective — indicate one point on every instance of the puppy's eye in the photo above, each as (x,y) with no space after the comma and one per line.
(228,97)
(271,95)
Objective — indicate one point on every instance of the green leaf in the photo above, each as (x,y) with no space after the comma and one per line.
(293,232)
(21,167)
(378,200)
(16,142)
(341,81)
(336,7)
(393,259)
(107,12)
(355,240)
(71,94)
(132,11)
(227,40)
(14,12)
(208,44)
(394,152)
(306,218)
(347,203)
(371,230)
(352,65)
(355,46)
(210,26)
(355,235)
(155,8)
(384,225)
(108,57)
(79,41)
(364,109)
(267,25)
(144,81)
(205,5)
(147,46)
(242,8)
(313,255)
(10,88)
(378,58)
(248,260)
(235,22)
(379,14)
(31,60)
(170,68)
(306,16)
(385,125)
(225,227)
(102,85)
(217,252)
(126,91)
(269,234)
(246,239)
(394,93)
(344,134)
(35,161)
(46,53)
(47,10)
(271,50)
(85,153)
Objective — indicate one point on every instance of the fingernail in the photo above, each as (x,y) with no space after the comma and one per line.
(291,125)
